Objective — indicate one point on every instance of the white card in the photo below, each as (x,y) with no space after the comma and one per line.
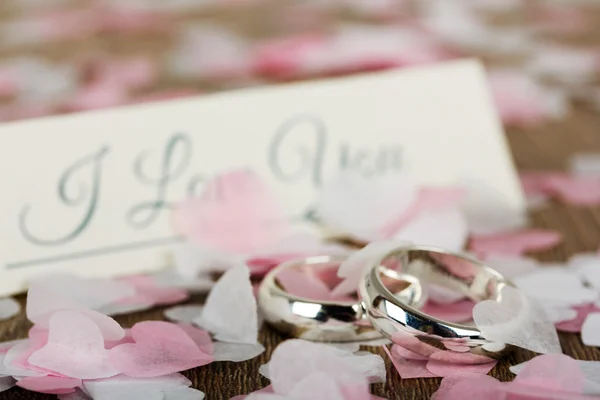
(90,192)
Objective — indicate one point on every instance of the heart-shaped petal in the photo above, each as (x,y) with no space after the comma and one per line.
(75,348)
(160,348)
(446,229)
(236,213)
(517,320)
(49,384)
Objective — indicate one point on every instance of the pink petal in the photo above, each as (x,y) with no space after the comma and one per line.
(75,348)
(409,368)
(575,190)
(460,311)
(49,384)
(515,243)
(469,386)
(299,283)
(552,372)
(200,337)
(400,352)
(147,290)
(15,360)
(443,369)
(160,348)
(236,213)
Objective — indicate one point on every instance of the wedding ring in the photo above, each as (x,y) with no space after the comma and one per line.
(327,320)
(423,333)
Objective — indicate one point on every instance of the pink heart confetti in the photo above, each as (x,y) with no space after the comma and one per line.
(515,242)
(49,384)
(160,348)
(236,213)
(75,348)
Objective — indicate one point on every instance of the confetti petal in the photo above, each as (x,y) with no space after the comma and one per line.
(444,229)
(127,388)
(590,332)
(236,214)
(443,369)
(75,348)
(185,313)
(160,348)
(236,352)
(230,311)
(409,368)
(9,307)
(351,269)
(556,286)
(515,243)
(360,206)
(49,384)
(517,320)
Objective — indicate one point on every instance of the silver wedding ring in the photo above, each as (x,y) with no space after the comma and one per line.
(424,334)
(328,321)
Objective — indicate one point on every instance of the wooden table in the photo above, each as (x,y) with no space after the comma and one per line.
(545,147)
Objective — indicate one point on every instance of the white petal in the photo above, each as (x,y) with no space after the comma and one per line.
(236,352)
(517,320)
(192,261)
(172,279)
(9,307)
(446,229)
(230,311)
(512,267)
(125,388)
(361,206)
(557,286)
(590,331)
(185,313)
(559,314)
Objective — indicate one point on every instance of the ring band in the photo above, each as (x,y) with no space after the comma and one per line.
(326,321)
(420,332)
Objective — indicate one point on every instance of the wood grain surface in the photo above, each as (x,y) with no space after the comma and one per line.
(545,147)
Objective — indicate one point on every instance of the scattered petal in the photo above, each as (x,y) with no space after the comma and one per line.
(409,368)
(160,348)
(556,286)
(230,311)
(236,352)
(49,384)
(590,332)
(236,214)
(127,388)
(516,320)
(515,243)
(443,369)
(75,348)
(185,313)
(361,207)
(9,307)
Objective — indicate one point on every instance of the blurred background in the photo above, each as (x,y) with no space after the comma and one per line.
(60,56)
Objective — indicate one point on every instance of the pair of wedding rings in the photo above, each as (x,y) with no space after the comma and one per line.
(390,295)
